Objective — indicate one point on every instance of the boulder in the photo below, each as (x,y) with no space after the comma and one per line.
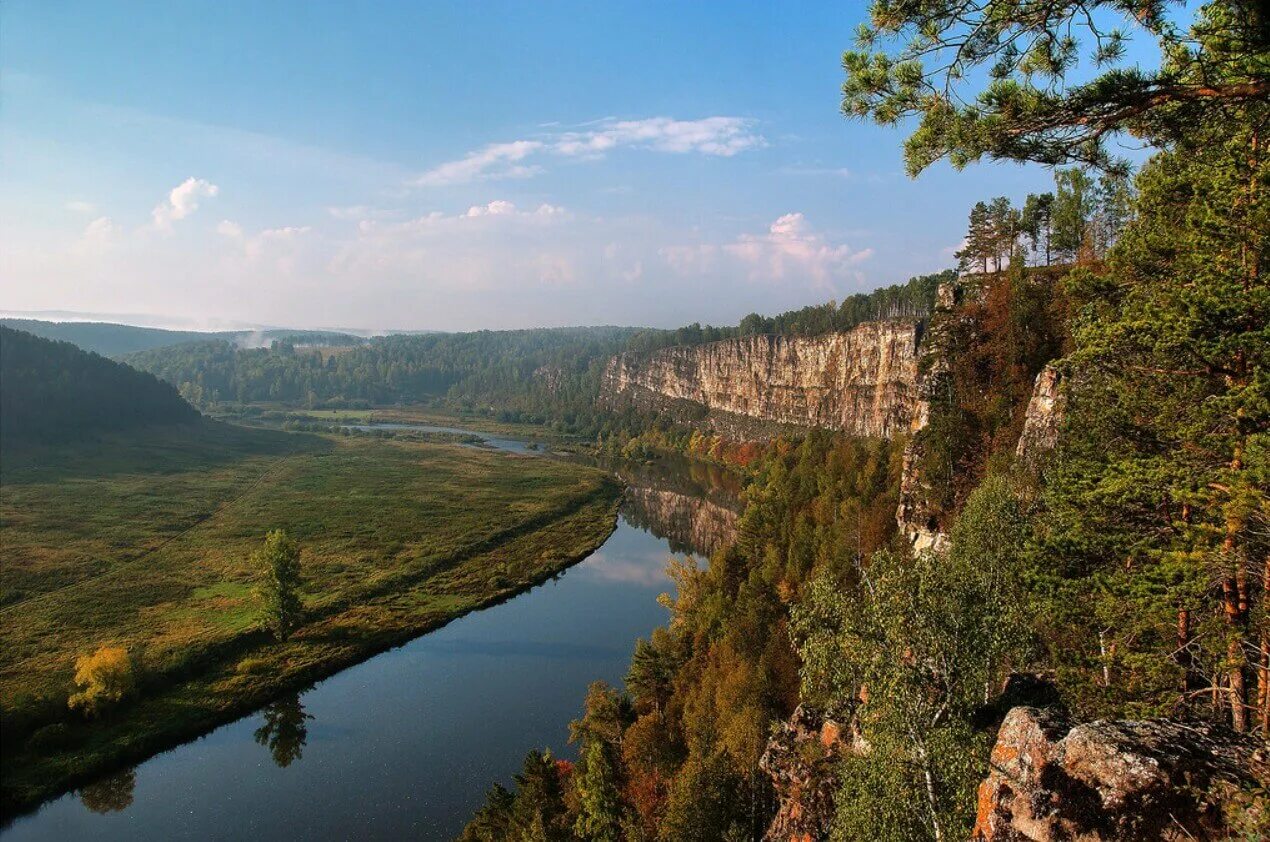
(1122,780)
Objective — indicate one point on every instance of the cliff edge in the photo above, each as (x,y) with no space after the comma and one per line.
(861,381)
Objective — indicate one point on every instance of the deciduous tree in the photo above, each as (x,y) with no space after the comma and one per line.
(104,678)
(278,564)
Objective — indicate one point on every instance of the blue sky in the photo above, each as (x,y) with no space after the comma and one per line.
(452,166)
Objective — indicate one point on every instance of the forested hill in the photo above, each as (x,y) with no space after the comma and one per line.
(109,340)
(53,391)
(117,340)
(546,372)
(542,375)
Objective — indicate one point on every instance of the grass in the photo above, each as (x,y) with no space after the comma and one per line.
(144,544)
(420,414)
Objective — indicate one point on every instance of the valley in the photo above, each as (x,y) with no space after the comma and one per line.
(154,534)
(439,691)
(580,423)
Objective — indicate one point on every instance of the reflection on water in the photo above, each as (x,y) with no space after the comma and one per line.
(406,744)
(693,505)
(111,794)
(285,730)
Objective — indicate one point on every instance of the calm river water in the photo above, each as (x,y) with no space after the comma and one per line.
(404,745)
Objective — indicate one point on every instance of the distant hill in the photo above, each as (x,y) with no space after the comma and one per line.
(111,340)
(53,391)
(117,340)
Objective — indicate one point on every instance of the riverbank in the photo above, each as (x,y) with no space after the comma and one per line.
(399,538)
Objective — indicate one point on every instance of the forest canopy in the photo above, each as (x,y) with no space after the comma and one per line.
(53,391)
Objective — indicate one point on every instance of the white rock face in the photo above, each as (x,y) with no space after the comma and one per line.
(862,381)
(1044,415)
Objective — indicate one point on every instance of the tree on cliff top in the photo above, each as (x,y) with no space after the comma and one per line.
(1039,103)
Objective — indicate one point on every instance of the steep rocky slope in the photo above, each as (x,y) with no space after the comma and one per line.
(862,381)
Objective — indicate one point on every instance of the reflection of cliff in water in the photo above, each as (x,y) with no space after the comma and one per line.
(692,505)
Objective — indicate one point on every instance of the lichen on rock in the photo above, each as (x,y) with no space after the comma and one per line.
(1156,779)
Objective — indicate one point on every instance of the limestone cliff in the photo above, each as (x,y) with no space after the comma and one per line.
(861,381)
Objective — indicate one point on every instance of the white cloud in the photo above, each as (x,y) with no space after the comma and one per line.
(233,230)
(497,207)
(497,160)
(268,241)
(791,248)
(98,234)
(717,136)
(80,206)
(788,252)
(182,201)
(722,136)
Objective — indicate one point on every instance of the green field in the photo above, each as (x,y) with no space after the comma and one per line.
(144,543)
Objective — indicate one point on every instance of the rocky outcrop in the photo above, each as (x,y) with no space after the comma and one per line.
(861,381)
(800,759)
(1044,416)
(1122,780)
(916,517)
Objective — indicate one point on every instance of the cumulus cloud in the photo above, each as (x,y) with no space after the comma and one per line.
(266,242)
(182,201)
(789,251)
(80,206)
(791,248)
(229,229)
(717,136)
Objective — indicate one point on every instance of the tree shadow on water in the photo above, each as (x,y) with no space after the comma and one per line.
(285,730)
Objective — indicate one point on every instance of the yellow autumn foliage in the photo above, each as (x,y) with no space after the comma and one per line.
(104,679)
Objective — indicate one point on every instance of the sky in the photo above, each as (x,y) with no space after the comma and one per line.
(452,166)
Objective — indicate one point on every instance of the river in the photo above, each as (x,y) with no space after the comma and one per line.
(404,745)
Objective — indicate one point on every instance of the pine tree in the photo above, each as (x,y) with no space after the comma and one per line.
(1073,208)
(978,247)
(599,802)
(1036,221)
(1042,102)
(1158,501)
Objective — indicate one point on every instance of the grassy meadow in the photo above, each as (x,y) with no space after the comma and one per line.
(144,543)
